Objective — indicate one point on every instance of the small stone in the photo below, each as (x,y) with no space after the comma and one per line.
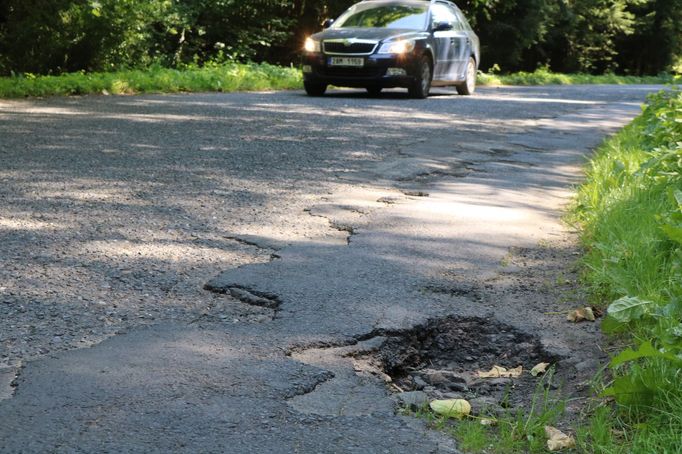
(458,386)
(414,400)
(485,405)
(499,382)
(436,378)
(588,364)
(419,383)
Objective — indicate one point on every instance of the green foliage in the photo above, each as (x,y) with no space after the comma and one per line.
(227,77)
(631,213)
(593,36)
(543,76)
(629,308)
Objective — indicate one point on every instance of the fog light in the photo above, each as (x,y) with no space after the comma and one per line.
(307,69)
(396,72)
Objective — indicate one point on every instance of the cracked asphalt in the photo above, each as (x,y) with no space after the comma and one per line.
(176,269)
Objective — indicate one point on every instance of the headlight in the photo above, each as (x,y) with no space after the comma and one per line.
(397,47)
(311,45)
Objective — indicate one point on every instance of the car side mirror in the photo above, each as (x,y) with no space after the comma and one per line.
(327,23)
(442,26)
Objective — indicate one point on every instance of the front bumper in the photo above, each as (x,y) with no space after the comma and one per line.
(317,69)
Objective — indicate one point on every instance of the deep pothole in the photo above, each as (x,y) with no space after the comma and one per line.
(442,359)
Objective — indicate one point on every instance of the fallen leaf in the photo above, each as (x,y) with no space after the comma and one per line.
(579,315)
(539,369)
(501,372)
(451,408)
(557,440)
(488,422)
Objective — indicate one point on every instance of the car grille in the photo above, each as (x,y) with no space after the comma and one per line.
(355,72)
(333,47)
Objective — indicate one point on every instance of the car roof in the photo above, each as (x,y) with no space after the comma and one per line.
(414,2)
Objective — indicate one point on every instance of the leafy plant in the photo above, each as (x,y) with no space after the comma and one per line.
(631,214)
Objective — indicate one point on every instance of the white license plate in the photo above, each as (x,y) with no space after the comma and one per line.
(347,61)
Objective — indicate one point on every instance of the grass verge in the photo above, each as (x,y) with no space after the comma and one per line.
(243,77)
(221,78)
(630,212)
(545,77)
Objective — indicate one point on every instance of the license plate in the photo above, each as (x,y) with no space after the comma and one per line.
(347,61)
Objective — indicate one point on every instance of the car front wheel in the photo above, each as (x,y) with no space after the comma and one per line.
(469,85)
(314,89)
(422,81)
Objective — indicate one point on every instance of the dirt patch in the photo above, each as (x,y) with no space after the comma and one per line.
(443,356)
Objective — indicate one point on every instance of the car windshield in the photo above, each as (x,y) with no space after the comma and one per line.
(392,15)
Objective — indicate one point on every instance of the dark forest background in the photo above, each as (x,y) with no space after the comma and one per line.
(636,37)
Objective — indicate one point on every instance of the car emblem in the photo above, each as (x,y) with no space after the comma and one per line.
(347,42)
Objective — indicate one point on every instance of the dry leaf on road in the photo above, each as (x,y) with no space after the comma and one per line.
(539,369)
(501,372)
(579,315)
(557,440)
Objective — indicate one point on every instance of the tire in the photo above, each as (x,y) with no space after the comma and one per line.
(468,87)
(374,90)
(422,81)
(314,89)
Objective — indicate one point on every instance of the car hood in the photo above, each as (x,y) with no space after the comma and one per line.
(379,34)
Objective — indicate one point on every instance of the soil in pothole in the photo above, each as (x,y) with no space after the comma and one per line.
(442,359)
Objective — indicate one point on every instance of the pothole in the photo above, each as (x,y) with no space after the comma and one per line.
(247,295)
(441,358)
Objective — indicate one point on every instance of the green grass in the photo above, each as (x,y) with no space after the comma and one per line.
(630,212)
(242,77)
(221,78)
(545,77)
(516,430)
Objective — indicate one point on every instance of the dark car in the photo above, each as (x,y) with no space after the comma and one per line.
(380,44)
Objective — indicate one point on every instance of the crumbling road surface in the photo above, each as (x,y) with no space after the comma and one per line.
(261,272)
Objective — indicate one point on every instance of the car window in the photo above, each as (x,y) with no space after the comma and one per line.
(443,13)
(405,16)
(464,21)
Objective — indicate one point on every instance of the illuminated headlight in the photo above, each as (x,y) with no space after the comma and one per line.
(397,47)
(311,45)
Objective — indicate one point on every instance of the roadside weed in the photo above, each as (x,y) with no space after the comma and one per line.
(226,77)
(630,211)
(472,436)
(543,76)
(515,430)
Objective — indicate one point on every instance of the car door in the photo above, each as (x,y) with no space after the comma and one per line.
(452,44)
(444,57)
(465,46)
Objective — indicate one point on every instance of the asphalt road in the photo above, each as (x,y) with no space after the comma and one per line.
(167,261)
